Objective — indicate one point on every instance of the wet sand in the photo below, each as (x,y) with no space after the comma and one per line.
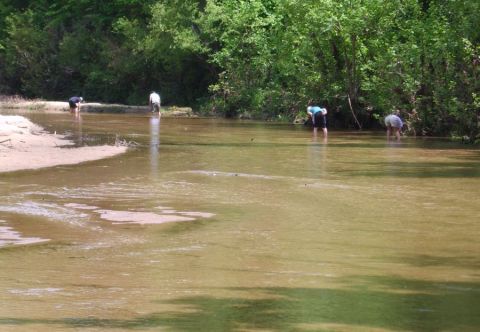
(25,145)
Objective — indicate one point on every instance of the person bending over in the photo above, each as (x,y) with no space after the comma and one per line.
(154,102)
(394,125)
(319,118)
(74,103)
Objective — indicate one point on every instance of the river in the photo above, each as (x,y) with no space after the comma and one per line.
(218,225)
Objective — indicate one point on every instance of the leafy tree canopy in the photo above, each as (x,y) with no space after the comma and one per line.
(362,59)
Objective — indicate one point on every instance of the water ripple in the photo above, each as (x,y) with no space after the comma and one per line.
(46,210)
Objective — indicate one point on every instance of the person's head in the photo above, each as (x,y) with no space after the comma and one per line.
(81,99)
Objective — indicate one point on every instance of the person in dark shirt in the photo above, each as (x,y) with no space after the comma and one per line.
(74,103)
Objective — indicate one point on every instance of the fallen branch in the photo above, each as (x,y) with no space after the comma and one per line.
(353,113)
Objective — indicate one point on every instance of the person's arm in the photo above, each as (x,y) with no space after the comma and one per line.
(311,115)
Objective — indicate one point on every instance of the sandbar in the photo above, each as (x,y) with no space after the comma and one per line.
(25,145)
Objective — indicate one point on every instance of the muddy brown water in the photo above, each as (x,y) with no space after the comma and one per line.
(216,225)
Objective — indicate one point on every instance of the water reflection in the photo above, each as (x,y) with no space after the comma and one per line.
(154,144)
(78,128)
(8,236)
(266,259)
(317,157)
(398,305)
(393,156)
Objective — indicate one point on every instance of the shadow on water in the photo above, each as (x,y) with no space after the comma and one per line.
(254,142)
(367,302)
(432,261)
(416,169)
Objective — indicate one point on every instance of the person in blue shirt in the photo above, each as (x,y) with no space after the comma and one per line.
(319,117)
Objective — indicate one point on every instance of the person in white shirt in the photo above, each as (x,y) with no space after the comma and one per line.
(394,125)
(154,102)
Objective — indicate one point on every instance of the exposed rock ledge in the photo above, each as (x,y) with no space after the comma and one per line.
(59,106)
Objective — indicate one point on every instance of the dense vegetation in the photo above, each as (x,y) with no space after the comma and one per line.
(267,58)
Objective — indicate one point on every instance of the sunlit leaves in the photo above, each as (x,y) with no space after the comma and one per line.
(264,57)
(27,54)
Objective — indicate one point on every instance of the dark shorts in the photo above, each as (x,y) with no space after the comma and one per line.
(156,107)
(72,104)
(320,120)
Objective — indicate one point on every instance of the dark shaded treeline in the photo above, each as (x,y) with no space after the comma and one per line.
(266,58)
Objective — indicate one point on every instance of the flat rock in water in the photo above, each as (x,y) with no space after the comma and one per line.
(58,106)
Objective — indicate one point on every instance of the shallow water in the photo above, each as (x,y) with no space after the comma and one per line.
(219,225)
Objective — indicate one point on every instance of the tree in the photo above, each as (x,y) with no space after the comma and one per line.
(29,67)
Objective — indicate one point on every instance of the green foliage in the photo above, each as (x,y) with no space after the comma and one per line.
(27,55)
(267,58)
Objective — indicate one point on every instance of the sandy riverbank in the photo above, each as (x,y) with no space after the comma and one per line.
(25,145)
(24,105)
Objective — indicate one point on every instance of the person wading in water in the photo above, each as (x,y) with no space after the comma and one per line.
(319,118)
